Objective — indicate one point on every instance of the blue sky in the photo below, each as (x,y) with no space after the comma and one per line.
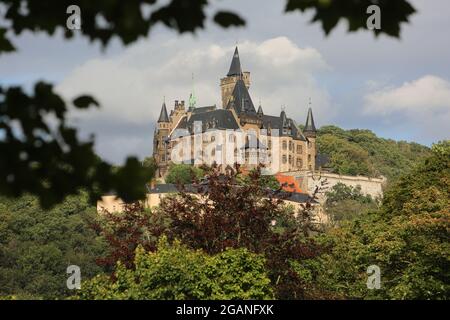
(399,88)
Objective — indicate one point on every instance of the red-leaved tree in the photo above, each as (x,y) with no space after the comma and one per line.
(219,212)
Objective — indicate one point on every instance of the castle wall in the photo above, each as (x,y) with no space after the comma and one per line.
(369,186)
(113,204)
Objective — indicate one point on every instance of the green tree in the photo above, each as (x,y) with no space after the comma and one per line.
(361,152)
(266,181)
(175,272)
(183,174)
(407,238)
(37,245)
(347,202)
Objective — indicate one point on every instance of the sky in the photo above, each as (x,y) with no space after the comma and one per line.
(398,88)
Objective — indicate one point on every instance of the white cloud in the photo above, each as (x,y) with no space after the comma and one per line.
(428,93)
(422,104)
(131,85)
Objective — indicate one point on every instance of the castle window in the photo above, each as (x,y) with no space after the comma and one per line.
(284,145)
(290,145)
(309,158)
(299,148)
(284,158)
(299,163)
(290,159)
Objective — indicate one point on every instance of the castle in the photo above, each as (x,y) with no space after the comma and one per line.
(234,133)
(238,133)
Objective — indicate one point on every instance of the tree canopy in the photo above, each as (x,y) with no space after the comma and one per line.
(37,245)
(361,152)
(183,174)
(346,203)
(176,272)
(407,238)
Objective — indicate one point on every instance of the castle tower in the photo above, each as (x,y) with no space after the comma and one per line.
(234,74)
(161,141)
(310,127)
(310,133)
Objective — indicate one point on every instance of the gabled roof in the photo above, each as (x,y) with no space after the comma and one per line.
(241,100)
(235,67)
(283,122)
(163,117)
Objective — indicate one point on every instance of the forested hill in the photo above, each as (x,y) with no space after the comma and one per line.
(361,152)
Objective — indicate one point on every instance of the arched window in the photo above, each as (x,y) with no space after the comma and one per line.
(284,158)
(284,145)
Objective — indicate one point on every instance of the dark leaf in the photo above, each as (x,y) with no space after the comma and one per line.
(329,12)
(84,102)
(228,19)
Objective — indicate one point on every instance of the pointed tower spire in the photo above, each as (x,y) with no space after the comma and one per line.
(235,67)
(192,97)
(260,110)
(310,127)
(163,117)
(283,117)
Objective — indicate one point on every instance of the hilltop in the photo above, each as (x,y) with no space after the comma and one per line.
(362,152)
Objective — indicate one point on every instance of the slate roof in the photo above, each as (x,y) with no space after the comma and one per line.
(215,119)
(310,126)
(163,117)
(204,109)
(282,122)
(260,111)
(235,67)
(241,100)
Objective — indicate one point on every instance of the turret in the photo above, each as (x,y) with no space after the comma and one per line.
(310,127)
(163,116)
(234,74)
